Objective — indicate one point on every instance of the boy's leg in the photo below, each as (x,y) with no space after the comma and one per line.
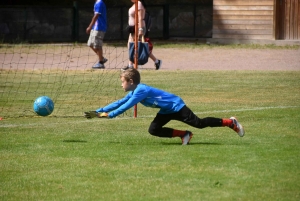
(99,45)
(156,128)
(101,59)
(184,115)
(99,53)
(152,57)
(187,116)
(157,62)
(95,42)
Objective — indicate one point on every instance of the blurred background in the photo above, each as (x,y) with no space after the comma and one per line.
(66,21)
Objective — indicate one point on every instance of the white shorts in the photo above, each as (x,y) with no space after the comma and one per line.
(96,39)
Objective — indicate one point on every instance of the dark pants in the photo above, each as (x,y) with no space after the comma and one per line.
(184,115)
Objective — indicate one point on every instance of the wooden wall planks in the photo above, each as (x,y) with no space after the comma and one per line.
(243,19)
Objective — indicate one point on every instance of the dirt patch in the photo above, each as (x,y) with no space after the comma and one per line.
(227,59)
(81,57)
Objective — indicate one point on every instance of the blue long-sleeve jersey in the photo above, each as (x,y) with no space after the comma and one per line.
(147,96)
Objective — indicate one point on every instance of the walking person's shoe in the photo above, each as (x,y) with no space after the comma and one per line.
(98,66)
(104,60)
(158,64)
(237,127)
(126,67)
(186,137)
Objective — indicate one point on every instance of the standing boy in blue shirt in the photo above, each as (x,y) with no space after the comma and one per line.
(171,107)
(97,29)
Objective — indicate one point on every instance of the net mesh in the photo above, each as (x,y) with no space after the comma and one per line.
(62,72)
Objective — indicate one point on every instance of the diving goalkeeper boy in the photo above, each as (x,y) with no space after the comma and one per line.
(172,107)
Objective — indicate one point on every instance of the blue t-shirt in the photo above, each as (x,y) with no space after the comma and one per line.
(101,23)
(147,96)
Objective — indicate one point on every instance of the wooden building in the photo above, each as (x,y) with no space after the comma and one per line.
(256,20)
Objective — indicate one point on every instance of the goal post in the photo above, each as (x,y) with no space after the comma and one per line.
(136,18)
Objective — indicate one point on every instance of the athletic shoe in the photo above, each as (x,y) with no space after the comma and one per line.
(104,60)
(237,127)
(186,137)
(98,66)
(158,64)
(126,67)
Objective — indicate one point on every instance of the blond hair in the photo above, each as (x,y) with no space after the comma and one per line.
(131,74)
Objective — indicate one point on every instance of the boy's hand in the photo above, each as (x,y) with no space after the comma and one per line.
(103,114)
(90,114)
(88,30)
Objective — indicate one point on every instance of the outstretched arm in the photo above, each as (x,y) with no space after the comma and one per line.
(104,111)
(114,105)
(120,106)
(132,100)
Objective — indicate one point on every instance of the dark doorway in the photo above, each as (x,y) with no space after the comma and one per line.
(287,20)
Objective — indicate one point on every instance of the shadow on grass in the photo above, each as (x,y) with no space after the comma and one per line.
(75,141)
(192,143)
(168,143)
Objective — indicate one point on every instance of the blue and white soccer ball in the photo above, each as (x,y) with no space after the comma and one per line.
(43,106)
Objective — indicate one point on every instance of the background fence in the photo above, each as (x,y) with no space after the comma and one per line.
(67,24)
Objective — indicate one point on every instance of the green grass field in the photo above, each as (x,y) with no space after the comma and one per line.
(59,158)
